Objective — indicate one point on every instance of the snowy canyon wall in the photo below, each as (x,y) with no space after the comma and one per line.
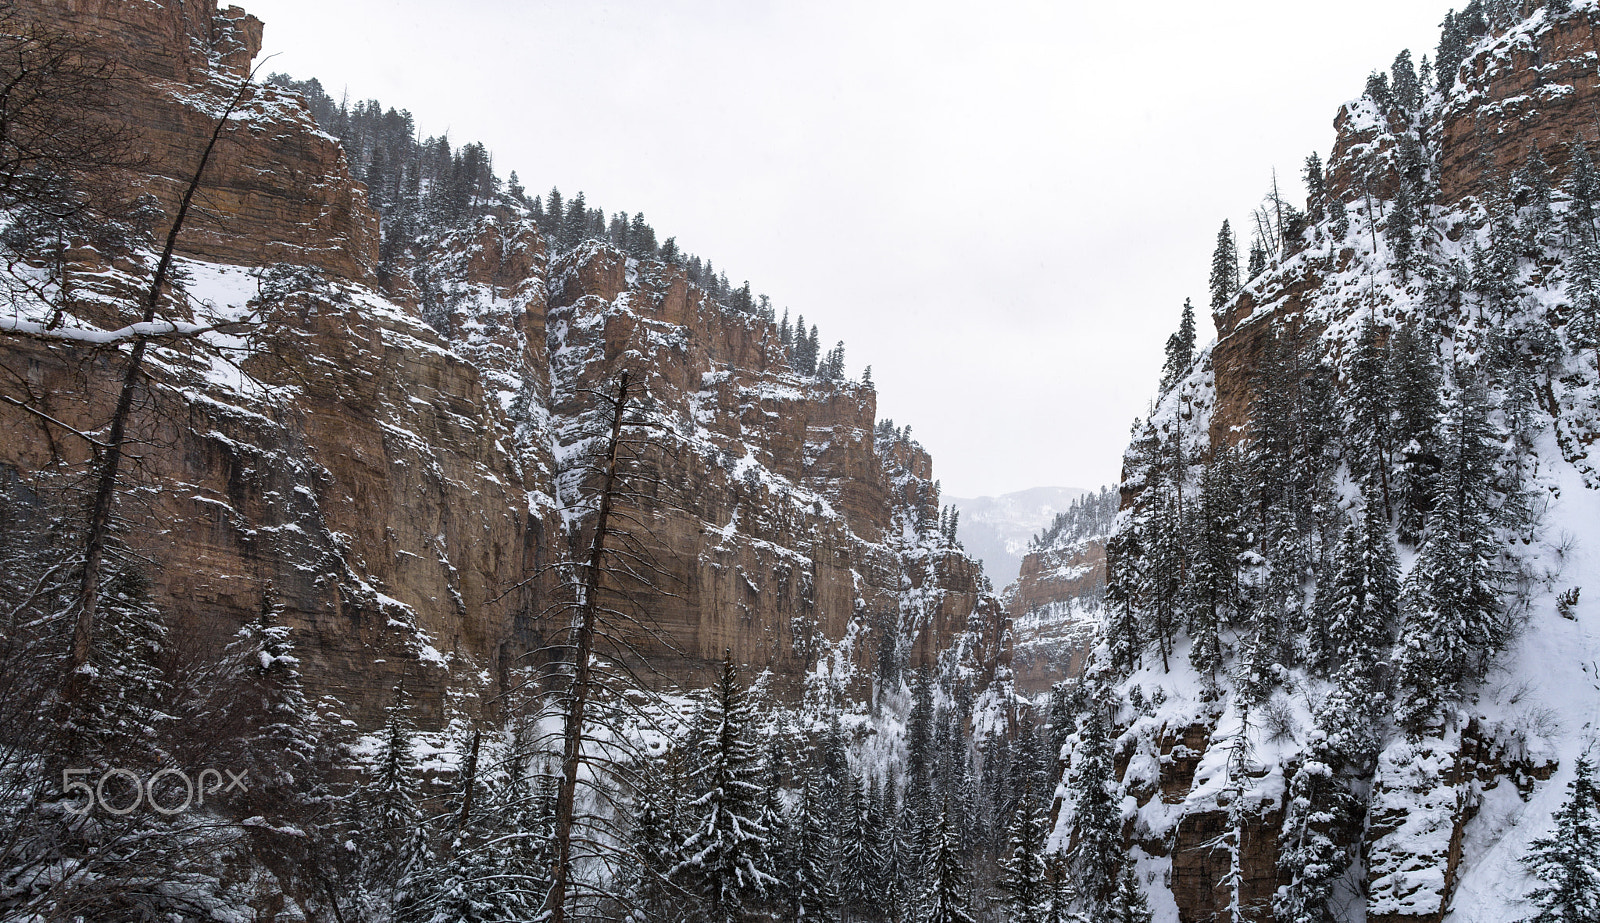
(1433,225)
(401,489)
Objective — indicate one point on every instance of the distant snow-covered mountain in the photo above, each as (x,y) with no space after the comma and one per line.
(996,529)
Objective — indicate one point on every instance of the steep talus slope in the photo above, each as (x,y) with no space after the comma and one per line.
(1263,776)
(399,484)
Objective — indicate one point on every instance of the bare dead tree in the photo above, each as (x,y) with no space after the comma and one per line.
(599,666)
(110,455)
(582,650)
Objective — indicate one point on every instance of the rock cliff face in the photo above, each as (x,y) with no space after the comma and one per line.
(1053,606)
(399,488)
(1056,600)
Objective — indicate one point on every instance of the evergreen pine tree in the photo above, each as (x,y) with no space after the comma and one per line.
(277,730)
(1180,349)
(396,852)
(857,860)
(116,718)
(1415,377)
(1024,883)
(1451,596)
(1534,191)
(1062,895)
(1494,268)
(1452,50)
(1125,638)
(949,889)
(656,837)
(1310,855)
(919,747)
(1583,266)
(1370,402)
(1406,91)
(1129,904)
(1564,861)
(555,210)
(1224,269)
(1316,189)
(1164,567)
(1215,594)
(575,225)
(1258,259)
(726,859)
(1400,229)
(1361,600)
(1096,816)
(810,888)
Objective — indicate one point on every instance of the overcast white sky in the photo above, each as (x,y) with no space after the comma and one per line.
(999,206)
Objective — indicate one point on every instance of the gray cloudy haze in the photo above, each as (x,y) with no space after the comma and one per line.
(1000,207)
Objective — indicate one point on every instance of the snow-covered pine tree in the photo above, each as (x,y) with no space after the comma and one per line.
(726,862)
(919,804)
(1535,193)
(1415,373)
(1024,880)
(1129,904)
(1096,832)
(1564,861)
(1058,909)
(1125,637)
(858,860)
(262,697)
(1400,228)
(949,898)
(1215,595)
(1369,400)
(1180,349)
(1316,189)
(656,837)
(1165,566)
(1310,853)
(1452,595)
(395,850)
(1404,86)
(1360,602)
(494,867)
(1258,259)
(809,886)
(1583,266)
(898,871)
(1224,268)
(1494,268)
(115,718)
